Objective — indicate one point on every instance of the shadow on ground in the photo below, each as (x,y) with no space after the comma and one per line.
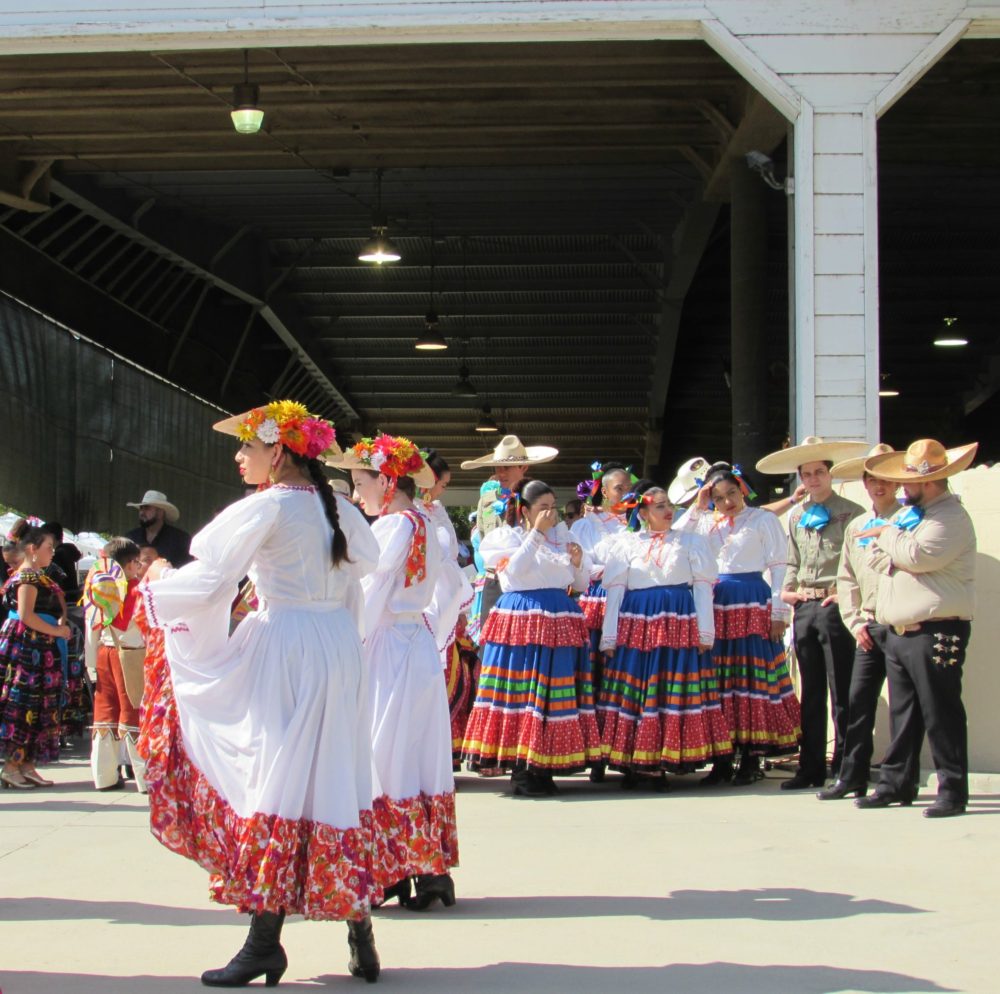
(773,904)
(501,978)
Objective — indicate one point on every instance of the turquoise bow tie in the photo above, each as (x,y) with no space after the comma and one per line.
(815,516)
(909,518)
(870,523)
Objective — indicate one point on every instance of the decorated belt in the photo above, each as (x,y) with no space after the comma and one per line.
(816,593)
(918,626)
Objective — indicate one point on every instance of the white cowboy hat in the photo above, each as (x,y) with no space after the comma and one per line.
(153,498)
(854,469)
(924,461)
(511,452)
(811,449)
(684,485)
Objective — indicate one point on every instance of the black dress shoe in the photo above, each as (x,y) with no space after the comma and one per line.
(883,798)
(944,808)
(802,781)
(838,790)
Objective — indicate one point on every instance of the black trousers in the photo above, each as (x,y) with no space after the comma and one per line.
(867,678)
(491,594)
(925,691)
(824,649)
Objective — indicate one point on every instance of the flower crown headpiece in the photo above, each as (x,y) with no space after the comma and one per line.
(392,455)
(292,425)
(631,502)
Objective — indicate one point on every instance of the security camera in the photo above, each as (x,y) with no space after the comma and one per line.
(763,165)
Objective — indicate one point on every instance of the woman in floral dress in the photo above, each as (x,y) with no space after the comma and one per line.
(259,756)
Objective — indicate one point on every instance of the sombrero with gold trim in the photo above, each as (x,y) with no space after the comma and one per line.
(925,461)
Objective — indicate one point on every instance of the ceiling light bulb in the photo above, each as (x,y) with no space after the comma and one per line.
(379,249)
(950,342)
(888,393)
(246,115)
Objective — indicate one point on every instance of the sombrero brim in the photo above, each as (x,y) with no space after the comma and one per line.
(892,465)
(533,455)
(789,460)
(228,426)
(677,496)
(423,477)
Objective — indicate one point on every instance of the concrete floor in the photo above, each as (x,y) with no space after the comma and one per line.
(750,891)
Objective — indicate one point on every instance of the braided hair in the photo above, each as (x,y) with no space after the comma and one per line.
(338,546)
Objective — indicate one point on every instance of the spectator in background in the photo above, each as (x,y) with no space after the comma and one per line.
(157,517)
(572,509)
(147,556)
(65,557)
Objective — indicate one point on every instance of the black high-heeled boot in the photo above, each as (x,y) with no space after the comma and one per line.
(261,955)
(749,770)
(401,890)
(430,888)
(364,956)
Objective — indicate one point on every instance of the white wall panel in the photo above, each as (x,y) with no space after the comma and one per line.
(840,214)
(780,17)
(840,254)
(840,334)
(840,53)
(840,133)
(840,295)
(838,91)
(841,376)
(838,173)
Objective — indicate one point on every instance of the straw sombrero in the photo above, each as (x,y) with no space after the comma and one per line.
(391,455)
(286,415)
(811,449)
(511,452)
(686,483)
(854,469)
(924,461)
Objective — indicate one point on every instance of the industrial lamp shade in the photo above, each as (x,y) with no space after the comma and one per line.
(431,340)
(464,387)
(486,422)
(379,249)
(247,116)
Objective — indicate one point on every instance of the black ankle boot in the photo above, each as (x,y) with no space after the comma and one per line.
(364,956)
(721,772)
(430,888)
(749,770)
(261,954)
(401,890)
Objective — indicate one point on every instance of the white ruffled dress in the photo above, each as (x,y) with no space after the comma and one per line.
(260,761)
(410,726)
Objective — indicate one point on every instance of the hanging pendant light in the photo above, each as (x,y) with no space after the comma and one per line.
(949,338)
(464,387)
(486,424)
(431,340)
(379,249)
(247,117)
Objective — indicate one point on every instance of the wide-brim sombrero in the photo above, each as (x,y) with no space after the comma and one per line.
(924,461)
(423,476)
(811,449)
(512,452)
(229,426)
(854,469)
(684,486)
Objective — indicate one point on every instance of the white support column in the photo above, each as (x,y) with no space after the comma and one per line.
(836,275)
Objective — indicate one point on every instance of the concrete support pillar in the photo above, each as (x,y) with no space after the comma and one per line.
(748,283)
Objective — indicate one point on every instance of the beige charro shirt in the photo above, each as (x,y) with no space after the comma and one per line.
(928,572)
(814,556)
(857,582)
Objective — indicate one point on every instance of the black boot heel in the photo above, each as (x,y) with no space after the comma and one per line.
(401,890)
(261,956)
(431,888)
(364,960)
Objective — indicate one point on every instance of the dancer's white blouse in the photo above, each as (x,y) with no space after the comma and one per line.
(533,560)
(645,559)
(273,715)
(751,542)
(594,533)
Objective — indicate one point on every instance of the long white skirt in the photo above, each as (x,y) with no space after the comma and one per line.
(411,741)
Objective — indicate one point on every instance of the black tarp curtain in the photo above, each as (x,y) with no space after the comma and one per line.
(83,431)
